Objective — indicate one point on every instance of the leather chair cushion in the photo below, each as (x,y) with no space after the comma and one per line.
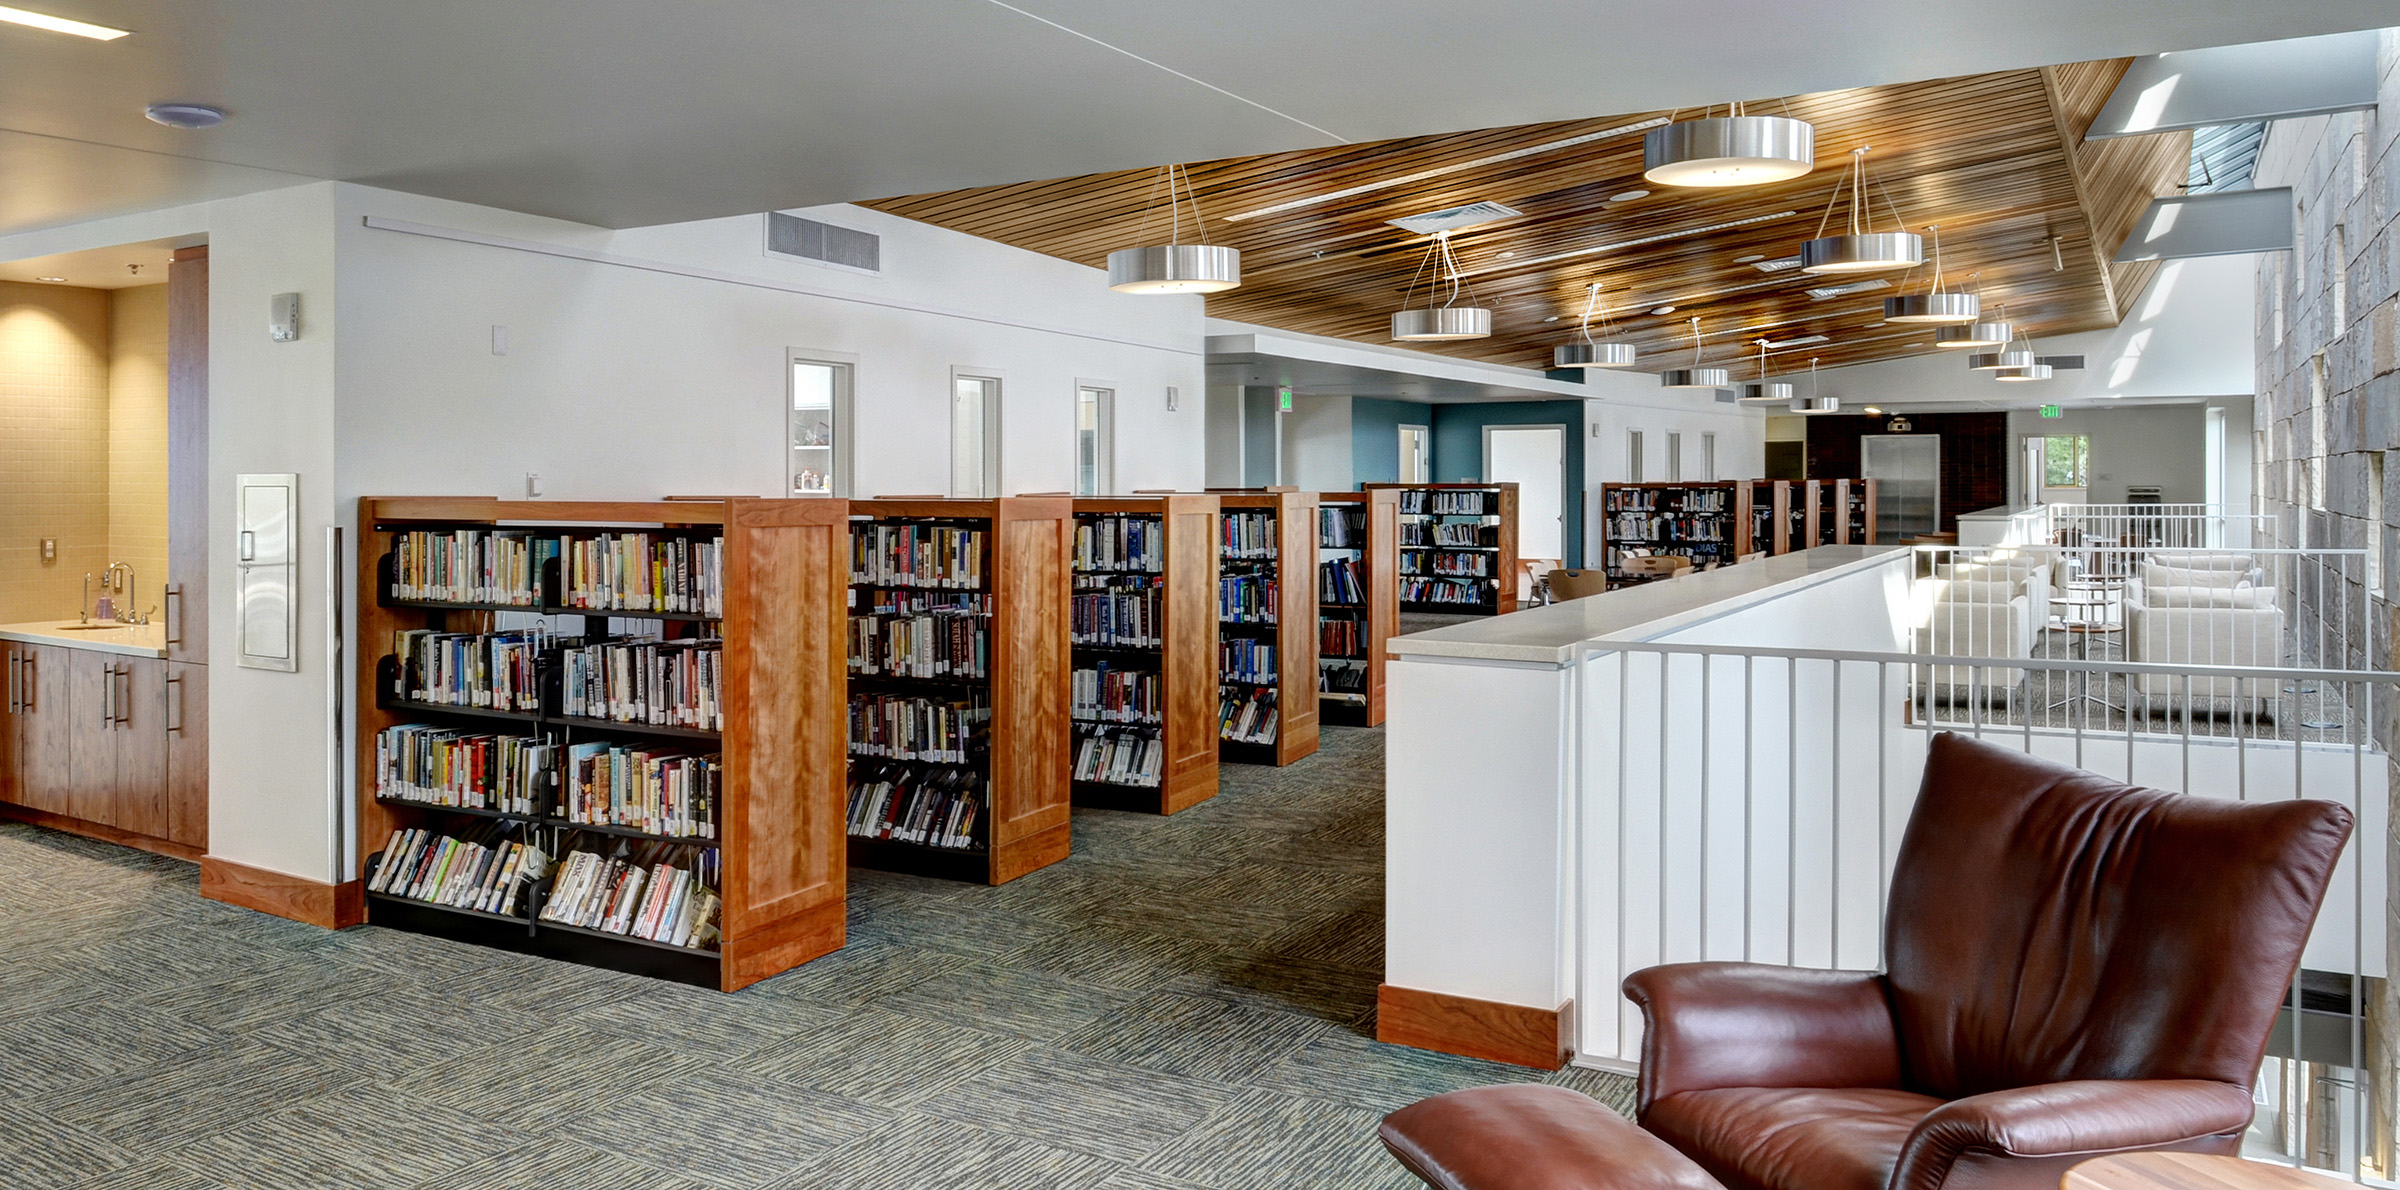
(1527,1136)
(1766,1138)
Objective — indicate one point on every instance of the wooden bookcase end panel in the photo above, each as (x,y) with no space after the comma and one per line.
(1504,592)
(1190,661)
(1296,625)
(1033,542)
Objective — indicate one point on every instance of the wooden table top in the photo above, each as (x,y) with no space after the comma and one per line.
(2190,1171)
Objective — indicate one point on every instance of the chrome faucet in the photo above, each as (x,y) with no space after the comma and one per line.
(83,614)
(124,589)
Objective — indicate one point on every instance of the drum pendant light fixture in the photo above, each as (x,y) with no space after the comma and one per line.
(1695,376)
(1605,352)
(1862,249)
(1763,389)
(1449,320)
(1814,403)
(1175,267)
(2021,363)
(1934,305)
(1995,333)
(1730,150)
(2007,357)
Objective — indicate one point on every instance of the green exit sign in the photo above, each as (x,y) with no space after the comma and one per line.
(2047,411)
(1283,400)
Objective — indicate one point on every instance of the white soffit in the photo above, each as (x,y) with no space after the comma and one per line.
(2222,224)
(2266,80)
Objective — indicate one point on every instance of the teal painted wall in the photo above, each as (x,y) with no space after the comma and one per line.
(1458,451)
(1375,436)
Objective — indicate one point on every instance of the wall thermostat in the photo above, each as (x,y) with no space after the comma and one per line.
(283,317)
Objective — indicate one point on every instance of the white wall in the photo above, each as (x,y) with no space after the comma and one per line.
(1636,402)
(1317,445)
(2165,445)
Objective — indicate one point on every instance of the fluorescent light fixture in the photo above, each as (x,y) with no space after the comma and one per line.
(1823,292)
(1628,195)
(1777,265)
(1662,310)
(1478,163)
(1802,341)
(43,20)
(1754,258)
(53,279)
(1620,245)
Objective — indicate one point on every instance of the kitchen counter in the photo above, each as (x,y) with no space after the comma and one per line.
(125,640)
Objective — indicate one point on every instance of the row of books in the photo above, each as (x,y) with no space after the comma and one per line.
(1341,581)
(1444,590)
(659,791)
(931,807)
(916,554)
(1121,757)
(1120,541)
(1124,617)
(1246,599)
(1470,502)
(1445,562)
(646,572)
(1102,694)
(664,683)
(909,727)
(942,644)
(1341,637)
(648,892)
(1246,715)
(484,868)
(1449,533)
(498,671)
(881,601)
(1687,500)
(1243,660)
(441,766)
(1341,527)
(1338,676)
(1639,527)
(638,571)
(1246,533)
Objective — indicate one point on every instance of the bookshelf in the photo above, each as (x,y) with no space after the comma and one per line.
(1267,626)
(1144,635)
(1768,526)
(1458,547)
(1858,502)
(1358,601)
(1800,523)
(1706,522)
(960,675)
(649,686)
(1831,525)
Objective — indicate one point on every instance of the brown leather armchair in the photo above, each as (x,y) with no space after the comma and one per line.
(2077,967)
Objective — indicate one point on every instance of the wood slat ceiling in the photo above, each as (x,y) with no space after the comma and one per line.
(1997,160)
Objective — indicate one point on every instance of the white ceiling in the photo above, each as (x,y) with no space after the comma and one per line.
(633,112)
(96,268)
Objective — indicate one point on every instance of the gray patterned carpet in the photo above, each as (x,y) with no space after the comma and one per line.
(1186,1002)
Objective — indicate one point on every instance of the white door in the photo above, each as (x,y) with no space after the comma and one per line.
(1535,459)
(1416,457)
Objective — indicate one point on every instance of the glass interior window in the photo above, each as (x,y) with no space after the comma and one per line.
(974,401)
(1094,410)
(814,387)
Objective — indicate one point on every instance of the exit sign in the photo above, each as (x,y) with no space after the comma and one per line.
(1283,400)
(2052,411)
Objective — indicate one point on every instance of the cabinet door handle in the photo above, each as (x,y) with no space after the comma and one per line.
(174,703)
(108,699)
(16,685)
(125,693)
(28,696)
(174,596)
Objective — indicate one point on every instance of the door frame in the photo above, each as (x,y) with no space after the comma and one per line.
(1567,488)
(1425,436)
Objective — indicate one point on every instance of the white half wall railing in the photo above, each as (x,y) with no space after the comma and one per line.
(2160,526)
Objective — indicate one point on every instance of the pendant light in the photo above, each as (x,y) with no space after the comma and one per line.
(1934,305)
(1814,402)
(1449,320)
(1606,352)
(2022,365)
(1863,249)
(1730,150)
(1763,389)
(1175,267)
(1695,376)
(2007,357)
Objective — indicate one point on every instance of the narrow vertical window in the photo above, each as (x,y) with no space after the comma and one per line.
(1633,456)
(1674,457)
(818,425)
(1095,434)
(1708,457)
(974,436)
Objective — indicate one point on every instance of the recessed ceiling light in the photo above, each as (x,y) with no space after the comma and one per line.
(1912,344)
(1628,195)
(1750,259)
(1873,411)
(1507,255)
(1552,318)
(1777,265)
(1662,309)
(43,20)
(185,115)
(1823,292)
(1872,325)
(49,278)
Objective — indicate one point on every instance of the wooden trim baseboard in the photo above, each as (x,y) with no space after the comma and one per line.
(1512,1033)
(102,832)
(333,906)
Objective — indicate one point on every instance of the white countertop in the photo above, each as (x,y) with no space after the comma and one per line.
(130,640)
(2001,513)
(1548,635)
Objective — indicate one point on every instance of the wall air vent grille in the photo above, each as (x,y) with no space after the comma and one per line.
(791,235)
(1453,218)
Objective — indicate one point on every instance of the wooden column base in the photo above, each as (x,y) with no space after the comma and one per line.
(1512,1033)
(333,906)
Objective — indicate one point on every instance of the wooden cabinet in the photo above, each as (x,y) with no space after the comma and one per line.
(45,741)
(138,794)
(186,715)
(185,608)
(87,738)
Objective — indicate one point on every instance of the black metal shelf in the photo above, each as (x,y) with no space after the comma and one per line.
(411,706)
(973,865)
(656,729)
(907,682)
(549,820)
(1115,724)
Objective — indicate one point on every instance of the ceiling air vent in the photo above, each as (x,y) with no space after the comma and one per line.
(1777,265)
(791,235)
(1457,217)
(1823,292)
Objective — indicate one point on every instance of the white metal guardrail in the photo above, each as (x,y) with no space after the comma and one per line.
(2160,526)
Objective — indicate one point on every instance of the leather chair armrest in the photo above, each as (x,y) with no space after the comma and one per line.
(2089,1117)
(1527,1136)
(1713,1025)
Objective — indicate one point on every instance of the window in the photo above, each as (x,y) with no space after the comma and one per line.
(1416,457)
(1708,457)
(1095,440)
(1674,457)
(974,436)
(2066,461)
(1633,456)
(817,425)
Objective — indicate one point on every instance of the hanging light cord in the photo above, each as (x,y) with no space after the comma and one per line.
(1166,176)
(1695,341)
(1762,361)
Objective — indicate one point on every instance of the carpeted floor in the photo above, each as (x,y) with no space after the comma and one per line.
(1186,1002)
